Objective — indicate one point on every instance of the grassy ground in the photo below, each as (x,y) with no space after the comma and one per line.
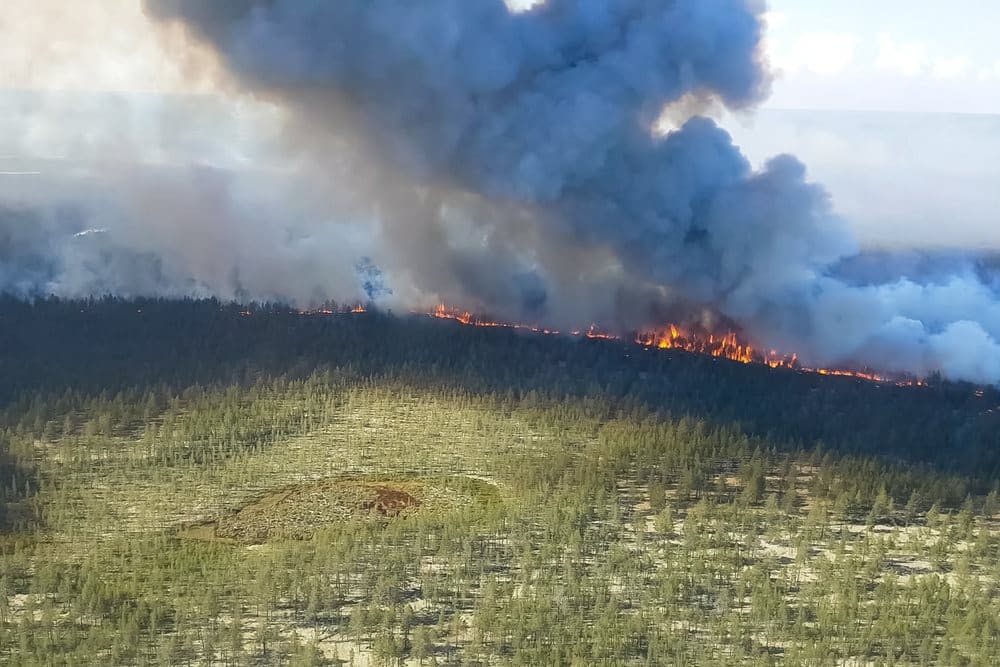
(364,523)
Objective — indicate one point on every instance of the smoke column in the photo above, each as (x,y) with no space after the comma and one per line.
(548,163)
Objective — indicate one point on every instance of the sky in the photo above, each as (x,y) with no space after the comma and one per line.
(886,55)
(923,175)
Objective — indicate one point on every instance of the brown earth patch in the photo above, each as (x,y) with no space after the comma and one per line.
(298,512)
(391,502)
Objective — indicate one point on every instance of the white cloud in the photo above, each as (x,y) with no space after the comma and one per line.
(951,68)
(824,53)
(518,6)
(908,59)
(774,19)
(990,73)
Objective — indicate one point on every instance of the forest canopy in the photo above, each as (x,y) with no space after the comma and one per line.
(193,482)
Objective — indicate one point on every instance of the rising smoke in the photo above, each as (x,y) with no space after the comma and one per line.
(511,162)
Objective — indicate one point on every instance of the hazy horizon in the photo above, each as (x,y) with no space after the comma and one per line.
(915,180)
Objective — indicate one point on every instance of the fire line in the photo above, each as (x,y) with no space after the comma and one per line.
(727,345)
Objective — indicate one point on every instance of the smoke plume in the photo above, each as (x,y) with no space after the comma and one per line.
(541,163)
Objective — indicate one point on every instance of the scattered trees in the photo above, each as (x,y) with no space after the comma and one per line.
(687,517)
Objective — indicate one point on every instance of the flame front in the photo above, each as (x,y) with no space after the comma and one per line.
(443,312)
(727,345)
(724,346)
(675,337)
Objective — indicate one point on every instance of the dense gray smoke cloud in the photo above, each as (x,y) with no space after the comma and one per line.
(509,162)
(509,155)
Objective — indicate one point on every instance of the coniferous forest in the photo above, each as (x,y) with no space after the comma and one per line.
(199,483)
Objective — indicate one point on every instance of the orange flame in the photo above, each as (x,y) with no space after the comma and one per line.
(671,337)
(724,346)
(342,310)
(443,312)
(674,337)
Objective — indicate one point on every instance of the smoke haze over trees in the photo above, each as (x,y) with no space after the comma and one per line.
(554,165)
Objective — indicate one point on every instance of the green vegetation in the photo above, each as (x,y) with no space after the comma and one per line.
(187,485)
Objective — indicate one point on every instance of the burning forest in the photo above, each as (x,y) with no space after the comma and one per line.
(694,339)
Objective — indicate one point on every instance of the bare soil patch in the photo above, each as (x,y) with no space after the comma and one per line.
(298,512)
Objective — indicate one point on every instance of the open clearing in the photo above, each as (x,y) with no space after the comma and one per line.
(323,522)
(299,511)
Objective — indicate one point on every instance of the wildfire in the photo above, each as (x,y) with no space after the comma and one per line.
(725,346)
(674,337)
(596,334)
(698,340)
(327,310)
(442,312)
